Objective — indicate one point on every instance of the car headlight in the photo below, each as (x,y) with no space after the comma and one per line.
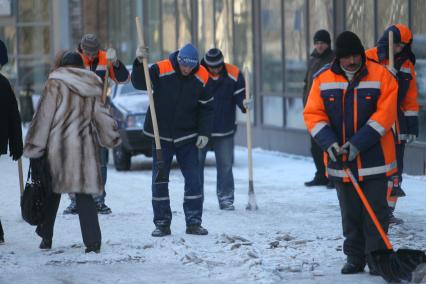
(135,121)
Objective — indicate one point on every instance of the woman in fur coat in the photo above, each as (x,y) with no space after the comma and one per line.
(69,126)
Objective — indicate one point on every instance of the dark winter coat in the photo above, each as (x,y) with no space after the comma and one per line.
(183,107)
(69,125)
(10,121)
(316,62)
(228,90)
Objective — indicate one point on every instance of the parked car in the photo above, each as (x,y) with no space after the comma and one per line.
(129,107)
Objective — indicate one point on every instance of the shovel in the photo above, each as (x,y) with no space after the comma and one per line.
(161,176)
(251,205)
(393,266)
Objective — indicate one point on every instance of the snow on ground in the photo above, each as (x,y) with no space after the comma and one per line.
(294,237)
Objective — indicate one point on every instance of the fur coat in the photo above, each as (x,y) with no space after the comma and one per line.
(69,125)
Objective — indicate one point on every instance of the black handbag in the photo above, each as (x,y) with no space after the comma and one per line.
(37,189)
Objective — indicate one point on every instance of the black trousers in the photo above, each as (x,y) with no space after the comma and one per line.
(1,230)
(87,214)
(318,156)
(361,236)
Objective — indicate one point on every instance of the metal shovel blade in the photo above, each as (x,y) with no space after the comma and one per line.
(402,265)
(161,176)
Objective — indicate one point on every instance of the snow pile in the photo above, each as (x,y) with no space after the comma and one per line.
(294,237)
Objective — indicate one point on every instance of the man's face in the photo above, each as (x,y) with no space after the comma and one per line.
(320,46)
(215,70)
(90,55)
(185,70)
(351,62)
(397,47)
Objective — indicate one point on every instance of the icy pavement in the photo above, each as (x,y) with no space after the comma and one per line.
(294,237)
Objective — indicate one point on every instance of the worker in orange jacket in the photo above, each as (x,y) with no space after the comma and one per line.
(350,111)
(407,123)
(98,60)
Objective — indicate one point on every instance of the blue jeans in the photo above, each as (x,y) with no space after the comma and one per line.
(187,158)
(224,154)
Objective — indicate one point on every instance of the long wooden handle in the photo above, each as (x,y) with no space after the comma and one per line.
(248,126)
(149,86)
(105,88)
(391,52)
(21,176)
(368,207)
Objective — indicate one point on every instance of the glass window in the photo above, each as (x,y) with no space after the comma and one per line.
(33,72)
(391,12)
(8,36)
(169,26)
(223,27)
(273,114)
(243,40)
(320,17)
(360,20)
(205,26)
(33,10)
(154,24)
(295,46)
(34,40)
(294,113)
(184,22)
(419,49)
(272,60)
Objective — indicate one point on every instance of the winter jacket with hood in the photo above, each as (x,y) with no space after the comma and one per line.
(408,107)
(183,107)
(228,91)
(68,126)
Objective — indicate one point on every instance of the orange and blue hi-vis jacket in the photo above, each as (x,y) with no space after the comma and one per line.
(183,107)
(408,107)
(228,91)
(361,111)
(98,65)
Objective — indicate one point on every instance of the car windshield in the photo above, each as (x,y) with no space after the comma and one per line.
(128,89)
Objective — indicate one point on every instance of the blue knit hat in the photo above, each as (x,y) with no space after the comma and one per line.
(188,56)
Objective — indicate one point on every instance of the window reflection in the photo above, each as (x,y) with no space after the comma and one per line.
(391,12)
(243,43)
(223,32)
(184,9)
(419,49)
(169,26)
(360,20)
(33,10)
(320,17)
(272,68)
(273,113)
(295,46)
(294,113)
(205,26)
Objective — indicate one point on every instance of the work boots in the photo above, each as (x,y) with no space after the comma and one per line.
(196,230)
(317,181)
(46,244)
(161,231)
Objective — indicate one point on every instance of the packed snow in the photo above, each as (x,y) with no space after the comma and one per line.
(294,237)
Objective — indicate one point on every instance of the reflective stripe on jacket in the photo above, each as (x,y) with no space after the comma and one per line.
(228,91)
(184,109)
(361,111)
(408,107)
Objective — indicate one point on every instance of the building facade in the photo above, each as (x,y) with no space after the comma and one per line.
(272,39)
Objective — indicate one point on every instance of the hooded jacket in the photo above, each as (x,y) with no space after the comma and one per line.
(183,107)
(407,108)
(68,126)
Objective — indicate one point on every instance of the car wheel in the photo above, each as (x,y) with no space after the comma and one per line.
(122,159)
